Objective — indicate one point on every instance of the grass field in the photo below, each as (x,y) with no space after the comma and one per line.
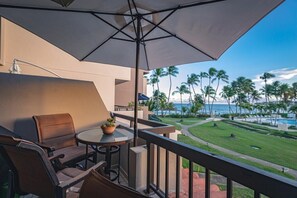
(274,149)
(188,140)
(176,121)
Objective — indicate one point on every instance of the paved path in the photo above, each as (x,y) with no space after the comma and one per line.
(185,131)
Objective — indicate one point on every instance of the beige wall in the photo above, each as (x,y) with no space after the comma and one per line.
(124,92)
(21,44)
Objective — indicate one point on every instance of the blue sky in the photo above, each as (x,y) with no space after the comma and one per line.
(270,46)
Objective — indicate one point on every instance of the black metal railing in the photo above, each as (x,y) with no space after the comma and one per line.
(261,182)
(155,127)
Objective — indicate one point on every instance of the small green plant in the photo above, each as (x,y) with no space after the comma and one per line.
(110,122)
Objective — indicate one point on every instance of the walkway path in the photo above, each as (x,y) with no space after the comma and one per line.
(185,131)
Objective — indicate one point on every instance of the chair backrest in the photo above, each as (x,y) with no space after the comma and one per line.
(32,168)
(3,164)
(55,130)
(95,184)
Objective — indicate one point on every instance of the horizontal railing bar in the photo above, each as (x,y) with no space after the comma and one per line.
(141,121)
(157,127)
(246,175)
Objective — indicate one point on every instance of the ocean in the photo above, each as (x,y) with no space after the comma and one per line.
(217,108)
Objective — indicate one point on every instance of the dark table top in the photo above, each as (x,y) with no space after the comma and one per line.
(97,137)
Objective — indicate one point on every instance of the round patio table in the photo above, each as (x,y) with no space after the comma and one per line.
(95,137)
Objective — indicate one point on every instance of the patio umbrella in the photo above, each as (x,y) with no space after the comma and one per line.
(139,33)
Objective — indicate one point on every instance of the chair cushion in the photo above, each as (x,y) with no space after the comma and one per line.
(67,174)
(73,153)
(96,185)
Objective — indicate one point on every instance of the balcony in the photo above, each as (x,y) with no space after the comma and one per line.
(166,178)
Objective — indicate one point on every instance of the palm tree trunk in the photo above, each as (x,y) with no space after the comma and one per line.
(181,106)
(193,90)
(190,98)
(170,84)
(158,88)
(215,94)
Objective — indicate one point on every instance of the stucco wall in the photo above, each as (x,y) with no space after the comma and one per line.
(124,92)
(21,44)
(23,96)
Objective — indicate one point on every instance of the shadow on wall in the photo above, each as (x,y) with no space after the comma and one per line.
(26,129)
(23,96)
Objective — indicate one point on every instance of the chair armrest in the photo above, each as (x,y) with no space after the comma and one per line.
(49,149)
(71,182)
(57,157)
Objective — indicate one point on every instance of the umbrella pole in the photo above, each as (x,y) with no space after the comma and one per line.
(136,80)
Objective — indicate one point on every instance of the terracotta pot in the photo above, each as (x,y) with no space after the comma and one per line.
(108,130)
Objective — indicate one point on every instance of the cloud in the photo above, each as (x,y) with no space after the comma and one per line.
(283,74)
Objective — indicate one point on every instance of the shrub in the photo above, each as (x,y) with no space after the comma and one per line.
(292,127)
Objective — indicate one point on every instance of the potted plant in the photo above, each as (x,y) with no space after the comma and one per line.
(109,126)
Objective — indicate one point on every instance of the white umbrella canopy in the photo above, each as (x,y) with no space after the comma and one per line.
(145,34)
(193,31)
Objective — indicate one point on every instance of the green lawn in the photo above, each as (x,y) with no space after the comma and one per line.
(239,192)
(177,123)
(274,149)
(185,163)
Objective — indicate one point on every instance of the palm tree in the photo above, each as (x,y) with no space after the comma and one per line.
(293,109)
(209,92)
(170,107)
(227,93)
(152,81)
(171,71)
(285,92)
(183,89)
(255,96)
(294,91)
(220,76)
(202,75)
(276,90)
(265,77)
(192,80)
(212,72)
(158,73)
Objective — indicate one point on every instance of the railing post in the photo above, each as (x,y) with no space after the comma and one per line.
(177,188)
(148,169)
(229,188)
(207,183)
(190,179)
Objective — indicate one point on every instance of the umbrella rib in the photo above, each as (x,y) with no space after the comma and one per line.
(61,10)
(106,41)
(177,37)
(108,23)
(130,9)
(160,23)
(145,51)
(115,38)
(157,38)
(183,6)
